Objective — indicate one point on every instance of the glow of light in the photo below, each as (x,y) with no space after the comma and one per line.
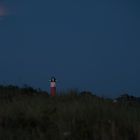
(3,10)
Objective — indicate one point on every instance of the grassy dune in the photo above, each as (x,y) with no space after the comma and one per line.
(28,114)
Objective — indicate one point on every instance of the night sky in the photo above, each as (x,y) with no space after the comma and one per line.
(89,45)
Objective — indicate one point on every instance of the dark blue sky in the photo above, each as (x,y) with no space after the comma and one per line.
(88,45)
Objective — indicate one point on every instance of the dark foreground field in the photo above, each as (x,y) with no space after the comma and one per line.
(27,114)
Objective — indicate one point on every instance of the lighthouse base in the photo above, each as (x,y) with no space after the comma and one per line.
(53,91)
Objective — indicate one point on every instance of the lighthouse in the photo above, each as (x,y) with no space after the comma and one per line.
(53,86)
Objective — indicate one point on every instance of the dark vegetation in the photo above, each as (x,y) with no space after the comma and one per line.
(30,114)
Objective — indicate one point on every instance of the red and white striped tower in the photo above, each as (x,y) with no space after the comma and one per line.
(53,86)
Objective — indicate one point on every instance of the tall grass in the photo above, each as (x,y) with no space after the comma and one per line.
(27,114)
